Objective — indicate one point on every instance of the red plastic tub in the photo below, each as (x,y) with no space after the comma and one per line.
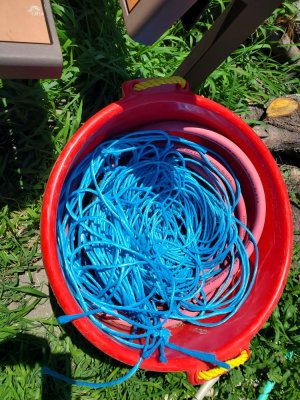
(172,102)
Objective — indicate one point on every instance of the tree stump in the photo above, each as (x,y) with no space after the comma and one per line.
(281,128)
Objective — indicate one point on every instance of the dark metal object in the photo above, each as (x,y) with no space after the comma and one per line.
(147,20)
(238,21)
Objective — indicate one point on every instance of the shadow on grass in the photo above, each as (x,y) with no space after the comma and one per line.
(30,350)
(26,150)
(98,51)
(86,347)
(77,338)
(95,66)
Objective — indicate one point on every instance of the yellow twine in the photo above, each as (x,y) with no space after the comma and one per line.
(159,81)
(214,372)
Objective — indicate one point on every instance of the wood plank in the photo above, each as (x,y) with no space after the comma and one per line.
(23,21)
(32,50)
(131,4)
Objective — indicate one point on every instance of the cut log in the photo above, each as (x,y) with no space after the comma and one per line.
(281,130)
(279,139)
(282,107)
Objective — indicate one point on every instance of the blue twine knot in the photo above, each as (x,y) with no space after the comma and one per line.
(162,333)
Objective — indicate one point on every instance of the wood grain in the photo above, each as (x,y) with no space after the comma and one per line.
(132,3)
(23,21)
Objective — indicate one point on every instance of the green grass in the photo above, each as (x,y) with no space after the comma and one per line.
(37,118)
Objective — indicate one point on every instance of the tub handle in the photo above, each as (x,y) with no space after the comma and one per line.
(197,377)
(170,84)
(149,83)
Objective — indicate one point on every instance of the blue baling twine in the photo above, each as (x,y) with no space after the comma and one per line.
(139,236)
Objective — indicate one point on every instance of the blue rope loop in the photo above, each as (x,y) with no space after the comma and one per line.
(141,233)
